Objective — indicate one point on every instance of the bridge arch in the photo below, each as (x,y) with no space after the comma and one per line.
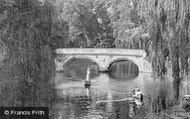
(70,59)
(102,57)
(124,58)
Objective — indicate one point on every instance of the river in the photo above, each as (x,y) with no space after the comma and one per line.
(109,96)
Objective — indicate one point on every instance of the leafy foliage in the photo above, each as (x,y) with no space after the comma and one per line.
(169,21)
(129,28)
(26,36)
(88,23)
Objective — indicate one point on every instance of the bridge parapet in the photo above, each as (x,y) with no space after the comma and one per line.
(102,51)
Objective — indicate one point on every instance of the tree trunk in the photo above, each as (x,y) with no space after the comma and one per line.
(176,72)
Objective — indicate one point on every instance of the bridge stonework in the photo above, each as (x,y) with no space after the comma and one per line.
(102,57)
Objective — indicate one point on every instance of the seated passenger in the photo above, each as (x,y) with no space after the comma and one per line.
(137,93)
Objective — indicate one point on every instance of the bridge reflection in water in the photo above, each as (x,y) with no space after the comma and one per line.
(108,97)
(123,70)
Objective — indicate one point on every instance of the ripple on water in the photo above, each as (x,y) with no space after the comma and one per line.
(107,98)
(98,104)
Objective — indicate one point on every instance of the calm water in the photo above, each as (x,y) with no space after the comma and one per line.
(108,97)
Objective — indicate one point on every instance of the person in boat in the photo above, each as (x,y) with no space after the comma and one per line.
(87,80)
(135,90)
(137,93)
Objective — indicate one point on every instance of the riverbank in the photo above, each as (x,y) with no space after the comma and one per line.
(184,82)
(176,111)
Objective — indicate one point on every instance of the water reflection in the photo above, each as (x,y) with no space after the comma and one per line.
(78,69)
(132,106)
(105,98)
(87,91)
(123,70)
(109,96)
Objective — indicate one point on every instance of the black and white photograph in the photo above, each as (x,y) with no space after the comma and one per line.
(94,59)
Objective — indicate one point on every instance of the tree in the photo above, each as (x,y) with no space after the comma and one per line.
(88,23)
(26,35)
(129,27)
(169,21)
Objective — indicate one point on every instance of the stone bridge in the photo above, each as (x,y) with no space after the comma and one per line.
(102,57)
